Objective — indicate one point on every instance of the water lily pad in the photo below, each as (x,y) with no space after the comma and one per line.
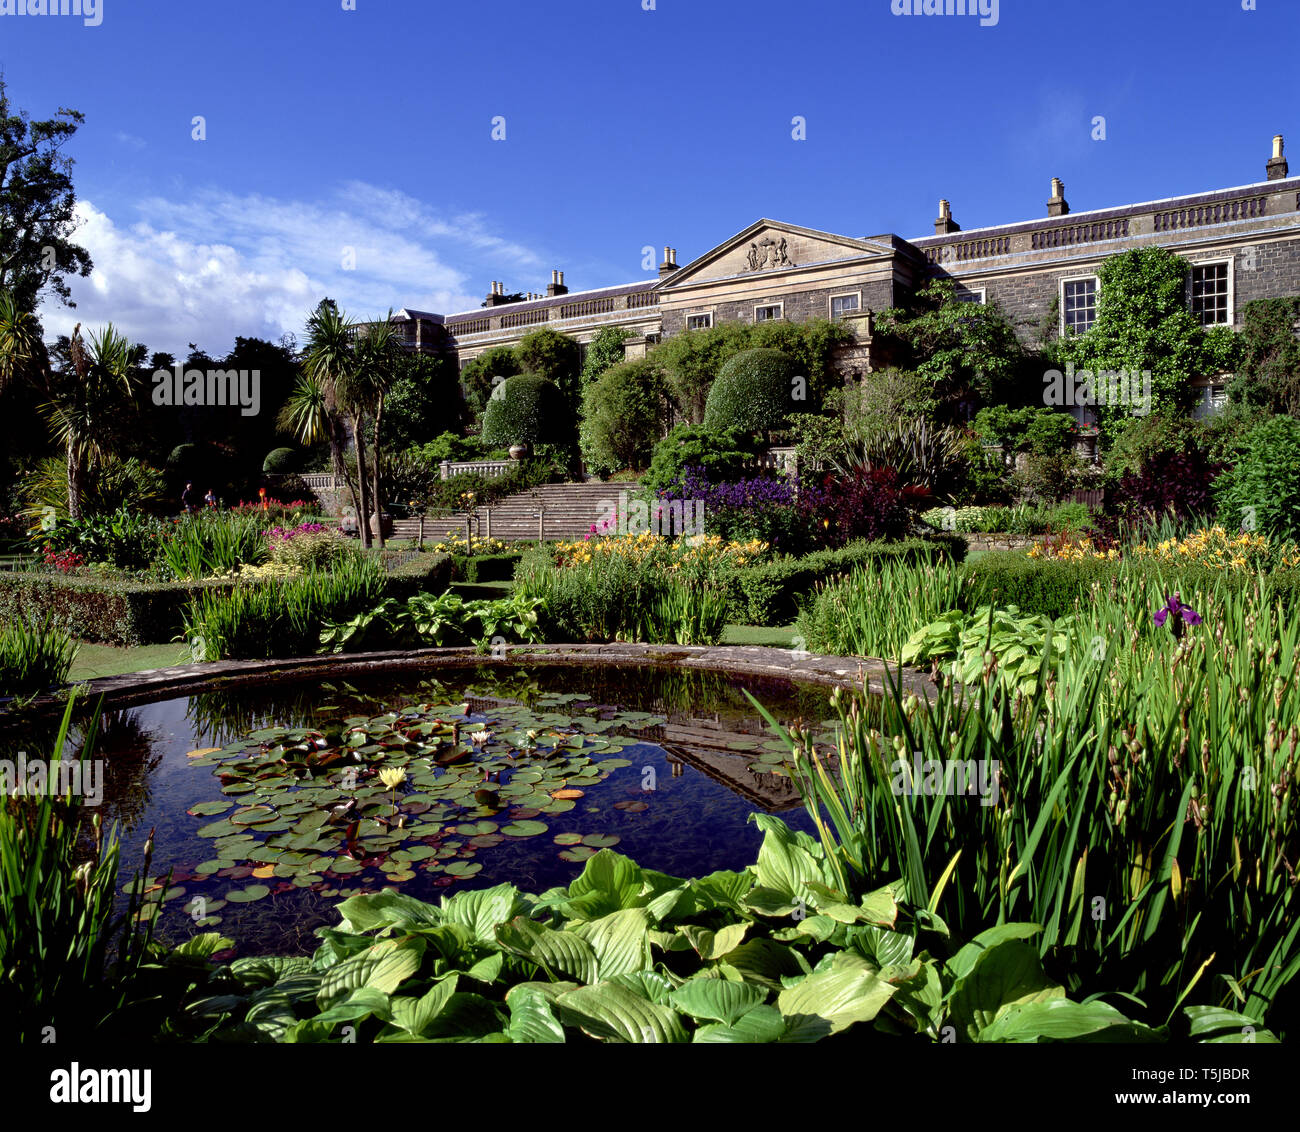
(614,764)
(217,828)
(568,839)
(524,828)
(203,752)
(253,815)
(567,792)
(559,806)
(463,869)
(207,868)
(577,853)
(601,840)
(207,809)
(632,807)
(247,895)
(346,865)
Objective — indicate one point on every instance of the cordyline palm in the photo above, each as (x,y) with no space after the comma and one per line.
(306,415)
(22,354)
(377,355)
(83,401)
(330,363)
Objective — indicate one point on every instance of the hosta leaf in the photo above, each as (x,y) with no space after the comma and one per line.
(762,1024)
(483,910)
(850,990)
(416,1015)
(615,1013)
(557,953)
(532,1021)
(1059,1019)
(714,945)
(382,966)
(619,941)
(717,1000)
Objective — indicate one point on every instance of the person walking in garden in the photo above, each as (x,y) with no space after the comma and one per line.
(210,499)
(187,499)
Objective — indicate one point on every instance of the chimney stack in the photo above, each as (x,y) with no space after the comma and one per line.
(669,264)
(945,223)
(556,285)
(1277,166)
(496,296)
(1058,205)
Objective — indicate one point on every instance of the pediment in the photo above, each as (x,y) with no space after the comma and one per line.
(770,246)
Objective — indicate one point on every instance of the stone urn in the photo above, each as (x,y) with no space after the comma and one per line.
(518,451)
(376,520)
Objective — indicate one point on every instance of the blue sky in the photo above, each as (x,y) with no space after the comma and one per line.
(330,129)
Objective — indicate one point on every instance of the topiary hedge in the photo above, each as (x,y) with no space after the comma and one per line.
(770,593)
(485,567)
(127,612)
(281,461)
(526,410)
(756,390)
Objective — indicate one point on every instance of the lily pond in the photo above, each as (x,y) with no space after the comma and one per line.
(271,804)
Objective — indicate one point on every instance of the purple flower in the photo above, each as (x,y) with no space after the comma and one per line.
(1177,614)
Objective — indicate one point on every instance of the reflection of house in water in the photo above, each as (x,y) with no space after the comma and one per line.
(709,750)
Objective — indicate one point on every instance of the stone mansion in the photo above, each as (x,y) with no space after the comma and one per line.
(1242,244)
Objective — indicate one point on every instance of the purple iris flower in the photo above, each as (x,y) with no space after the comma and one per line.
(1178,614)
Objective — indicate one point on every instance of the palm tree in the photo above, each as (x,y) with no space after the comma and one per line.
(83,400)
(22,353)
(377,355)
(330,364)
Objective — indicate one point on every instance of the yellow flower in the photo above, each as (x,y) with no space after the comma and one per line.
(392,777)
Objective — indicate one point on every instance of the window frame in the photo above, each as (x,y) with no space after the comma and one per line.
(780,312)
(971,296)
(1096,281)
(1231,263)
(830,304)
(699,314)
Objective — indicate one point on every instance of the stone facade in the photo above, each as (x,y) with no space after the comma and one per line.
(781,270)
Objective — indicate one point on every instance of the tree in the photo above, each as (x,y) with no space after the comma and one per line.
(423,401)
(603,352)
(623,416)
(37,206)
(756,390)
(1269,375)
(377,357)
(83,400)
(329,363)
(1144,326)
(968,352)
(478,378)
(556,358)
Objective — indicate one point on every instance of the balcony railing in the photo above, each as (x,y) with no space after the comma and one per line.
(1222,212)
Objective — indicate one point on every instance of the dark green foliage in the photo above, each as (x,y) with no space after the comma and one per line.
(477,376)
(35,656)
(423,399)
(112,485)
(756,391)
(623,415)
(1262,492)
(282,461)
(485,567)
(604,352)
(969,352)
(1143,323)
(1269,375)
(771,593)
(553,357)
(725,455)
(526,410)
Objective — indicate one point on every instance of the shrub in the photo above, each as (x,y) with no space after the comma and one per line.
(281,461)
(765,509)
(126,539)
(450,446)
(622,415)
(1262,491)
(211,543)
(756,391)
(868,503)
(525,410)
(1175,483)
(772,593)
(113,485)
(280,618)
(723,456)
(308,546)
(35,655)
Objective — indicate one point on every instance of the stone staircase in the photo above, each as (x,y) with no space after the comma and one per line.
(552,511)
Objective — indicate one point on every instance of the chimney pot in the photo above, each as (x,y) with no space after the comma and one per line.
(945,223)
(1277,164)
(1058,205)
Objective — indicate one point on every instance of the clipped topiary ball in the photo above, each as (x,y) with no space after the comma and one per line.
(281,461)
(525,410)
(756,390)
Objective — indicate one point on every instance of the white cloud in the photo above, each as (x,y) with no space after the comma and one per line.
(221,264)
